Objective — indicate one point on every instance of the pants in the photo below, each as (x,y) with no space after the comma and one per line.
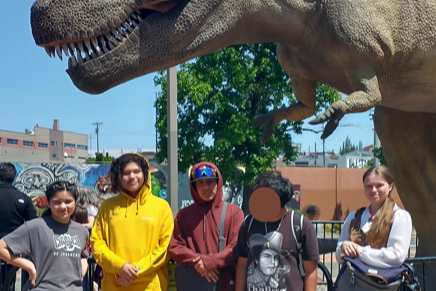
(4,270)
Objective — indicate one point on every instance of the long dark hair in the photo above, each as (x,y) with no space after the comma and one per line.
(117,167)
(56,187)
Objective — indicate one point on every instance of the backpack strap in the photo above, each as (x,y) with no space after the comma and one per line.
(223,218)
(216,286)
(249,225)
(355,222)
(297,228)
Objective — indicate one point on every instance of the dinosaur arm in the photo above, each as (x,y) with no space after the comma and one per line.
(361,100)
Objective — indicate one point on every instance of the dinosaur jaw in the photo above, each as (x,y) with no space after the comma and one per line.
(153,37)
(102,46)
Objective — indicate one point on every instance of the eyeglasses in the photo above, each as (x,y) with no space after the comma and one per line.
(205,172)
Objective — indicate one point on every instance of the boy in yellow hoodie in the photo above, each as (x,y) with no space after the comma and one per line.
(132,231)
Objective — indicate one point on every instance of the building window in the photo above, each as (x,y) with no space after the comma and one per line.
(54,156)
(69,157)
(43,145)
(82,147)
(0,140)
(13,141)
(28,143)
(82,158)
(52,143)
(302,164)
(70,145)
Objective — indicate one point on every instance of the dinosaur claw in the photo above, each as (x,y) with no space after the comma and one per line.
(268,132)
(261,120)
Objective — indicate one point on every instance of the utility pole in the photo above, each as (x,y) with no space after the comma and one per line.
(155,126)
(90,140)
(376,140)
(97,130)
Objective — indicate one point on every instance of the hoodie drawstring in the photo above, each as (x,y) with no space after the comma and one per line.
(137,207)
(204,224)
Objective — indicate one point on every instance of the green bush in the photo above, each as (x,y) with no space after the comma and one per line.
(336,228)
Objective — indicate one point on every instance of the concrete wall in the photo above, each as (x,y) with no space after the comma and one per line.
(334,191)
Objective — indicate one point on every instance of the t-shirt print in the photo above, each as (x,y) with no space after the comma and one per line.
(267,270)
(271,253)
(66,244)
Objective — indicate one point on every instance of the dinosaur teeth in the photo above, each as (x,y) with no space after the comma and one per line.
(88,45)
(48,50)
(80,46)
(59,51)
(65,49)
(94,42)
(72,62)
(79,58)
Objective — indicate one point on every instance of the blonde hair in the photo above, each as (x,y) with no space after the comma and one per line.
(378,234)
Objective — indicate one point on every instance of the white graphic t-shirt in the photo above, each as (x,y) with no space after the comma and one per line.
(55,248)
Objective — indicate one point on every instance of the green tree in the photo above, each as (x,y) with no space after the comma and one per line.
(378,153)
(219,96)
(99,159)
(348,146)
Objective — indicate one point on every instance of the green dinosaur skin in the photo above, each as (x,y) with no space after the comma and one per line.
(379,53)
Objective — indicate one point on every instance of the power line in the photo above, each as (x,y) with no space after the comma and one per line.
(97,130)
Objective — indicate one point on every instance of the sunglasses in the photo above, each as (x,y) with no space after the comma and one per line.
(204,173)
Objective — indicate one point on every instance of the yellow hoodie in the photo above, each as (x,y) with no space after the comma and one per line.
(135,231)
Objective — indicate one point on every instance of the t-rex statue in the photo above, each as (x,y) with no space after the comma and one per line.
(380,53)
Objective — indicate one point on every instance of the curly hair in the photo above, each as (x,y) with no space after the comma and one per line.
(118,165)
(278,183)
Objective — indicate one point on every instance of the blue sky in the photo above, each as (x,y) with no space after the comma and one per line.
(36,89)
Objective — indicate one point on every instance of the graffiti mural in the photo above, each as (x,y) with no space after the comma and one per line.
(32,179)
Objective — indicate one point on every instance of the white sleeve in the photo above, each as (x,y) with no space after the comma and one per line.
(395,252)
(344,236)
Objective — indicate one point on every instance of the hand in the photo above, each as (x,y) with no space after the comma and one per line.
(122,282)
(199,267)
(129,273)
(350,249)
(212,276)
(32,275)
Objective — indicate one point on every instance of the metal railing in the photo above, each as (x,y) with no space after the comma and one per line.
(328,268)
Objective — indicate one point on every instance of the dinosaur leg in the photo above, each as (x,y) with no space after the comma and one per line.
(368,97)
(304,90)
(408,141)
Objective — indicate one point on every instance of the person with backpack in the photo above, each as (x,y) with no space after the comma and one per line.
(205,235)
(277,249)
(378,234)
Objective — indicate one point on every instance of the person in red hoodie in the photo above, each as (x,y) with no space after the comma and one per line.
(196,229)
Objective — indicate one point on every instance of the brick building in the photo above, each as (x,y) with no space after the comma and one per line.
(43,145)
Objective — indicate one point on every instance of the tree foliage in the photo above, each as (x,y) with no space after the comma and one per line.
(378,153)
(348,146)
(99,159)
(219,96)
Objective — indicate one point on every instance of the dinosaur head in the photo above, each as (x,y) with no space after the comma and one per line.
(110,42)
